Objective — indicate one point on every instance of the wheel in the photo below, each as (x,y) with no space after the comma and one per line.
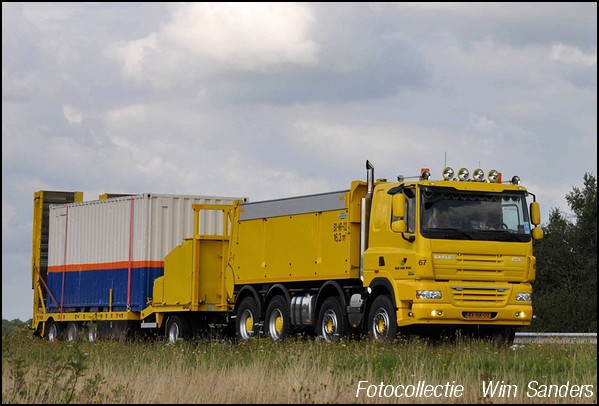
(277,319)
(332,323)
(92,333)
(382,319)
(178,328)
(53,331)
(73,331)
(503,336)
(246,323)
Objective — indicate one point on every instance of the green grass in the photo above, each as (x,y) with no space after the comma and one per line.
(295,371)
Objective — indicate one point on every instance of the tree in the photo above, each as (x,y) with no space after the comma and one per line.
(565,291)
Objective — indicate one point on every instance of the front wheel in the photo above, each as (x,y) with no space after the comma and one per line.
(503,336)
(332,323)
(382,319)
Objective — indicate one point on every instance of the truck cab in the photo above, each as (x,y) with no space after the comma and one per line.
(453,252)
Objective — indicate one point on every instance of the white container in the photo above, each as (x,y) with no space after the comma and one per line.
(105,254)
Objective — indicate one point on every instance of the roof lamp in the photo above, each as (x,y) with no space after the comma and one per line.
(463,174)
(493,176)
(478,175)
(425,174)
(448,173)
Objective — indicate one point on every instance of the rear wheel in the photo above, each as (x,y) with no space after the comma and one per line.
(53,331)
(277,318)
(382,319)
(332,323)
(178,328)
(73,331)
(246,322)
(92,333)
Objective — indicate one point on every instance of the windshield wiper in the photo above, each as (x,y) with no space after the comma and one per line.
(452,232)
(503,234)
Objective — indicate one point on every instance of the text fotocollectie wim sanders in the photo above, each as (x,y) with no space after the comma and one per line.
(488,389)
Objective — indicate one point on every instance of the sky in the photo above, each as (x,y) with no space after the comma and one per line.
(270,100)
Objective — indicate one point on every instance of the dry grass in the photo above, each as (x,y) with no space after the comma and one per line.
(296,371)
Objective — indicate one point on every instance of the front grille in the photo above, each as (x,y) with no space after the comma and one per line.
(466,296)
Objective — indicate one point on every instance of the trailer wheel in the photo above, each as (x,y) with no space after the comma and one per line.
(178,329)
(277,319)
(246,323)
(92,332)
(332,323)
(382,319)
(53,331)
(73,331)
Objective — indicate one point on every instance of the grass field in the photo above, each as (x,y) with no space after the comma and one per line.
(295,371)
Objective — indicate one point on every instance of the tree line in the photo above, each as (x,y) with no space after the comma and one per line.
(565,290)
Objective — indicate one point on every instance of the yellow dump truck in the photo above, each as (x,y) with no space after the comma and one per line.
(382,257)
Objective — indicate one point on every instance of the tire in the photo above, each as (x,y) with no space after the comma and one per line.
(73,331)
(177,328)
(53,331)
(92,333)
(382,319)
(332,323)
(276,325)
(247,320)
(503,336)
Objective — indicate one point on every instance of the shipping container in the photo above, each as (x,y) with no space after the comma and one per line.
(104,255)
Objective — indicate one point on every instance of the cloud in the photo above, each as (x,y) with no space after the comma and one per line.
(205,39)
(573,55)
(229,53)
(246,36)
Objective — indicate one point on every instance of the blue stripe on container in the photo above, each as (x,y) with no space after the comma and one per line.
(91,288)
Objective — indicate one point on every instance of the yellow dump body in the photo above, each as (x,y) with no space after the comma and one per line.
(308,238)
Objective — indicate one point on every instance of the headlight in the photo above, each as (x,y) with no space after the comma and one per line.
(428,294)
(523,297)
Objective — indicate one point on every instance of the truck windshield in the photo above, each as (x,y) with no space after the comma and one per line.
(453,214)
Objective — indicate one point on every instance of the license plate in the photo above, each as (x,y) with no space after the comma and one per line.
(477,315)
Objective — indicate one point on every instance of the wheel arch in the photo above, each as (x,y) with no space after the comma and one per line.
(278,289)
(329,289)
(379,286)
(250,291)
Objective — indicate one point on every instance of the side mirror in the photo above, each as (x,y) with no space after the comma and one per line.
(399,226)
(399,206)
(537,233)
(535,213)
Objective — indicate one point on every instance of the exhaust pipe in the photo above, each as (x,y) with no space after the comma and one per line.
(369,178)
(365,215)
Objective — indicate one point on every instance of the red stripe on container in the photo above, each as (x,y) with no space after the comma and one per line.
(130,254)
(105,266)
(64,262)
